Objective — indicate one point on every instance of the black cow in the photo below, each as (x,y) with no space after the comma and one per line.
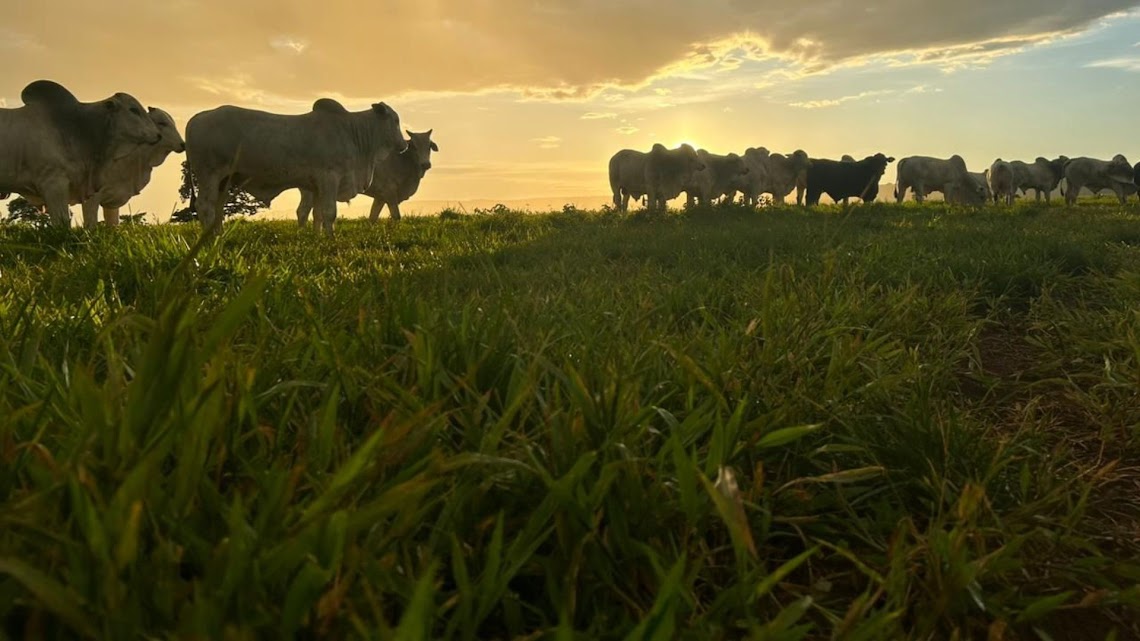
(841,180)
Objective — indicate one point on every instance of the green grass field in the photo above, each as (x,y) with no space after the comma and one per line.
(887,423)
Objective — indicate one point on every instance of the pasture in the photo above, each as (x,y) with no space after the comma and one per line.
(888,422)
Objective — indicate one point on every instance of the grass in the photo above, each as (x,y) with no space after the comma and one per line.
(888,423)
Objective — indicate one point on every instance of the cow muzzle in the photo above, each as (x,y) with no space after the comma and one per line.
(425,166)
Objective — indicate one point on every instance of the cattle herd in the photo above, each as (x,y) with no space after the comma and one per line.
(662,174)
(57,152)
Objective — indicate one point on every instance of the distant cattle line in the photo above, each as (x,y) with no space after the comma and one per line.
(56,151)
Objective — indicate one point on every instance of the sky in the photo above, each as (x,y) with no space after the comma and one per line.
(530,98)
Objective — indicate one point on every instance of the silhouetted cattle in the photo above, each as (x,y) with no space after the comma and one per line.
(840,179)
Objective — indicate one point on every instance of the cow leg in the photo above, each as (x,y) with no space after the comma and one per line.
(55,201)
(920,193)
(624,207)
(1120,193)
(800,195)
(208,203)
(304,208)
(377,207)
(324,207)
(111,216)
(90,213)
(394,210)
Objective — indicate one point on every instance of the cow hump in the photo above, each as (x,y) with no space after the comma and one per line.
(329,106)
(48,93)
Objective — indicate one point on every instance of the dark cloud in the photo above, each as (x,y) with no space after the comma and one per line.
(203,51)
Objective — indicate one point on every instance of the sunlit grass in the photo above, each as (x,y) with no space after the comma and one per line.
(882,423)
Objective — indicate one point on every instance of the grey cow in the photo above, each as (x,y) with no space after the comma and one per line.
(55,149)
(396,179)
(329,151)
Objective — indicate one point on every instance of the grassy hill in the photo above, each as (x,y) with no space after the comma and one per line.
(883,423)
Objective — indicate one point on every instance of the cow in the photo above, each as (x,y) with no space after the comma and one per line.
(839,179)
(126,177)
(925,175)
(1097,175)
(1002,183)
(969,197)
(774,174)
(627,177)
(328,151)
(55,149)
(668,172)
(1042,176)
(717,179)
(396,179)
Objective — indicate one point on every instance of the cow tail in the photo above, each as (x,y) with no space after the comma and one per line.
(188,185)
(615,187)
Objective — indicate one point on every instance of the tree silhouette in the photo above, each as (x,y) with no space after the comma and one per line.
(238,203)
(22,211)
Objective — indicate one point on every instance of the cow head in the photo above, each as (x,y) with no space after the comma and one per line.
(169,138)
(800,161)
(879,163)
(421,146)
(1056,169)
(1120,169)
(690,157)
(129,124)
(391,138)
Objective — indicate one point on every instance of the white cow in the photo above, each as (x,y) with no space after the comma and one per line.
(329,151)
(668,172)
(925,175)
(717,178)
(1002,182)
(1097,175)
(126,177)
(1042,176)
(55,149)
(774,174)
(397,179)
(627,177)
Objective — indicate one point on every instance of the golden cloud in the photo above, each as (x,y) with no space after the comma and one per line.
(201,52)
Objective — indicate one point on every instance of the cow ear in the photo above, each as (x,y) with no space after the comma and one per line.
(381,108)
(434,147)
(407,131)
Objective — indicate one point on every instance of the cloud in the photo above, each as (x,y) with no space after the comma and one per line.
(627,130)
(594,115)
(1124,64)
(835,102)
(548,142)
(186,51)
(289,44)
